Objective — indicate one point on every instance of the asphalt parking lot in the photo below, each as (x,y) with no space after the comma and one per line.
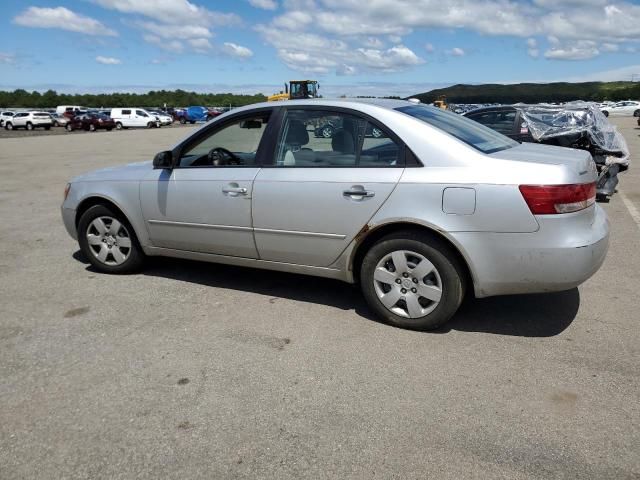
(192,370)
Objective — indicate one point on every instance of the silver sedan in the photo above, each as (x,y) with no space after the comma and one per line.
(432,207)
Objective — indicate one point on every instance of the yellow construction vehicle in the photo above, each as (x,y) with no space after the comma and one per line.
(297,89)
(441,102)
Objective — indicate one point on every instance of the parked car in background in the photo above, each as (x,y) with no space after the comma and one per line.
(163,118)
(59,120)
(195,114)
(439,206)
(626,108)
(91,121)
(6,115)
(69,110)
(133,117)
(579,125)
(29,121)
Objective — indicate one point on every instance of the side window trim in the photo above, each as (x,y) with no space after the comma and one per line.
(403,150)
(220,125)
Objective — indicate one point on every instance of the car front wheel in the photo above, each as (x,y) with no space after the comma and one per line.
(118,126)
(108,241)
(412,280)
(636,113)
(8,126)
(29,126)
(605,113)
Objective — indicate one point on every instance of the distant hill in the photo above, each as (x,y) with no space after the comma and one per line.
(534,92)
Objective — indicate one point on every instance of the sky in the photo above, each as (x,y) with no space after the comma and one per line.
(353,47)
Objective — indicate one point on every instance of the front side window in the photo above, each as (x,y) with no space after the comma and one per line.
(467,131)
(140,113)
(322,138)
(235,144)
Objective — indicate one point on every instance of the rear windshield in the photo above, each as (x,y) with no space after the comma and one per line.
(472,133)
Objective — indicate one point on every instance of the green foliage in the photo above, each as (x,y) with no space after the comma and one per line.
(177,98)
(535,92)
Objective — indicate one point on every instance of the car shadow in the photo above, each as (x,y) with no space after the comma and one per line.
(538,315)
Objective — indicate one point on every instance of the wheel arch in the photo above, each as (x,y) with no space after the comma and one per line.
(94,200)
(369,236)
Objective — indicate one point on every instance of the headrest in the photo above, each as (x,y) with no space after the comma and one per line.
(297,133)
(343,142)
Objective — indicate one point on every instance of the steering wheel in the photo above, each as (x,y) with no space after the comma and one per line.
(221,156)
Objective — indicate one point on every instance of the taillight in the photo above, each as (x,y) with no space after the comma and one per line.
(552,199)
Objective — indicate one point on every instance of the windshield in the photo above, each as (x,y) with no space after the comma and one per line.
(472,133)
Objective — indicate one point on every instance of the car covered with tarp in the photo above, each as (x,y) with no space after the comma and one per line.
(578,125)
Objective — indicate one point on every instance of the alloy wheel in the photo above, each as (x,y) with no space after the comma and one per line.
(109,240)
(407,284)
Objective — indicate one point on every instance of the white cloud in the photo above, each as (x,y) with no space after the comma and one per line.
(180,32)
(532,43)
(581,50)
(429,48)
(173,46)
(295,20)
(456,52)
(62,18)
(200,45)
(7,58)
(609,47)
(236,50)
(177,12)
(264,4)
(533,51)
(108,60)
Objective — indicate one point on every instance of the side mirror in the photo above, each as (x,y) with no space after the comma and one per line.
(163,160)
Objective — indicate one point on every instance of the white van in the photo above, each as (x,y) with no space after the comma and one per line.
(70,109)
(133,117)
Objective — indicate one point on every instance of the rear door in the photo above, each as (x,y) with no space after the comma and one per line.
(204,203)
(318,193)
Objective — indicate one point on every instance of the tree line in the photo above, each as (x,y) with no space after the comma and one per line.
(535,92)
(156,98)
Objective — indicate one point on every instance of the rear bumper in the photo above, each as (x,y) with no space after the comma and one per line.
(563,254)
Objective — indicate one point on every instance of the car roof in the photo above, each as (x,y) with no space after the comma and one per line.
(355,103)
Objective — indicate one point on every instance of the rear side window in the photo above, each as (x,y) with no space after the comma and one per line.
(464,129)
(126,112)
(324,138)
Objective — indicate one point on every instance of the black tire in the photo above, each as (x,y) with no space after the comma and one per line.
(8,126)
(118,126)
(434,250)
(29,126)
(69,127)
(192,122)
(376,132)
(326,131)
(150,125)
(183,120)
(605,113)
(636,113)
(92,127)
(135,258)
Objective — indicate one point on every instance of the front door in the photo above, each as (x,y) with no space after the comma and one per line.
(319,192)
(204,203)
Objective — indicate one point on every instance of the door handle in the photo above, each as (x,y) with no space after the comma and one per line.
(235,190)
(359,193)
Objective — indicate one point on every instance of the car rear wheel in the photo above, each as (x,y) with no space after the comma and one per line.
(327,132)
(29,126)
(412,281)
(92,127)
(183,120)
(108,241)
(118,126)
(605,113)
(69,127)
